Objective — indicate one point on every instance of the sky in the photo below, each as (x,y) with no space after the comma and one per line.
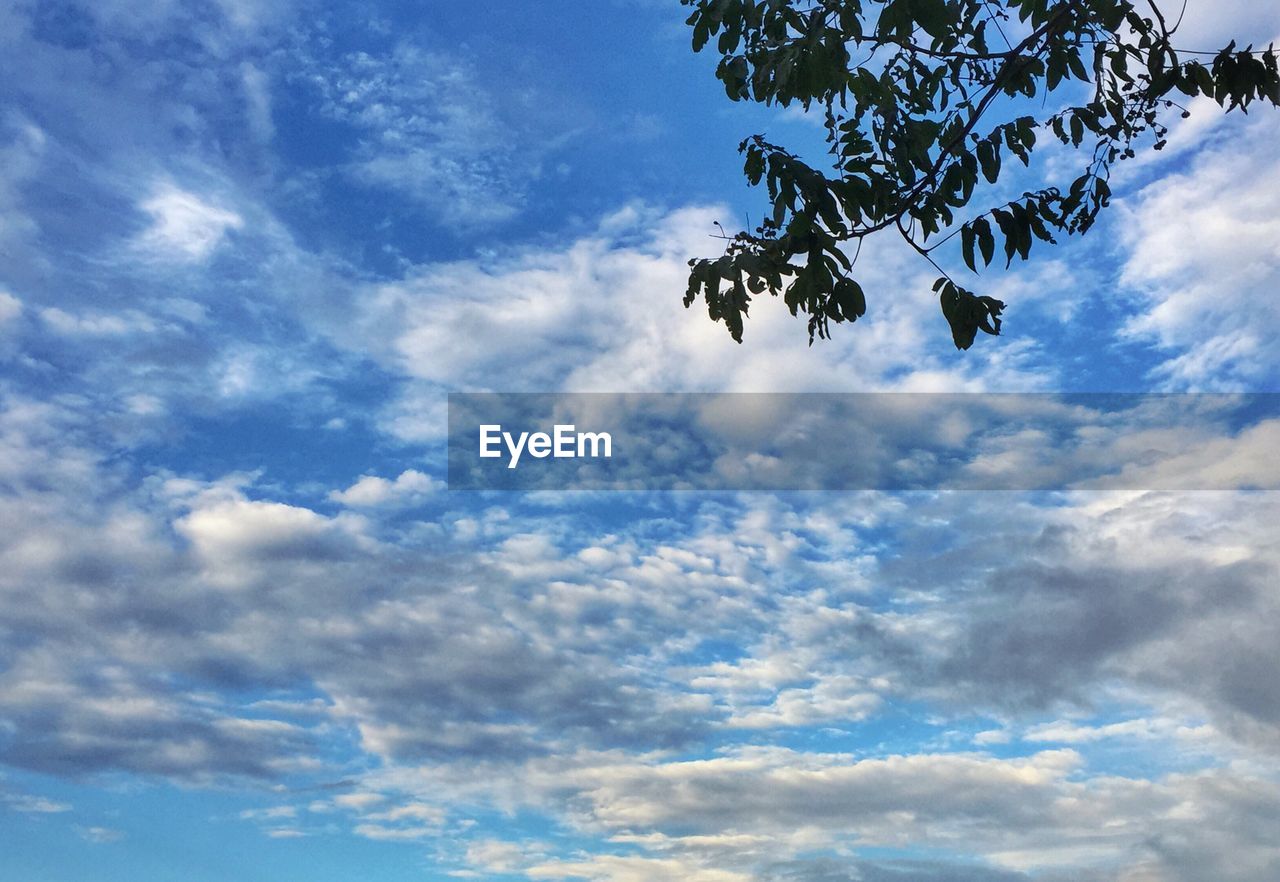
(247,248)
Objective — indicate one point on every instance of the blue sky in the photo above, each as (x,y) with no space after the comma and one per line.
(246,250)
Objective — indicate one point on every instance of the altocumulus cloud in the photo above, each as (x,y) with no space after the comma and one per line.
(556,668)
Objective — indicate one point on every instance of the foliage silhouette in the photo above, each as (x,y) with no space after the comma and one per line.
(942,94)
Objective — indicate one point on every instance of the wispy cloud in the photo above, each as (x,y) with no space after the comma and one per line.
(1201,251)
(184,227)
(35,805)
(100,835)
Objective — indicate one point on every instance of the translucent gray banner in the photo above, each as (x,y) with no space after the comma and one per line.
(869,441)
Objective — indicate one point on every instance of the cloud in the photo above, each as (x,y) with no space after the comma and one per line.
(96,324)
(22,148)
(225,531)
(1066,732)
(74,720)
(11,311)
(1201,253)
(878,800)
(372,491)
(603,313)
(273,813)
(184,227)
(772,813)
(100,835)
(164,581)
(257,98)
(10,308)
(34,805)
(1162,592)
(380,833)
(626,868)
(855,870)
(831,699)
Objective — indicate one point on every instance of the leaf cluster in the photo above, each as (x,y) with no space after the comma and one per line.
(926,104)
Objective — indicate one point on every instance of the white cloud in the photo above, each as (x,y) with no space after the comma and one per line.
(34,805)
(257,96)
(268,814)
(22,150)
(10,308)
(753,810)
(395,834)
(1202,252)
(185,227)
(359,801)
(416,811)
(772,789)
(371,491)
(603,313)
(247,14)
(834,699)
(496,856)
(236,538)
(1067,732)
(630,868)
(992,736)
(97,324)
(100,835)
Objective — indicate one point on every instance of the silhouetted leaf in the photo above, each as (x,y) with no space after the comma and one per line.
(920,109)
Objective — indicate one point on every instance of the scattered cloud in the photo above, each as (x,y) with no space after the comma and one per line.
(184,227)
(257,97)
(34,805)
(372,491)
(96,325)
(100,835)
(1200,250)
